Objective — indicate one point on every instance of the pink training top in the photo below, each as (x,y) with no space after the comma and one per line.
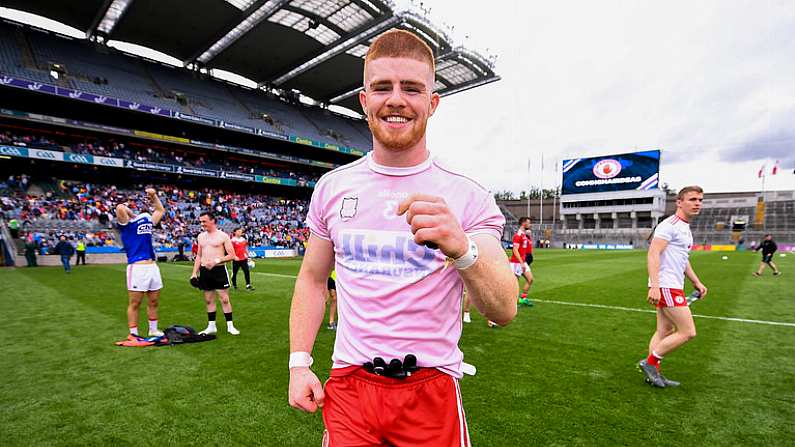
(393,297)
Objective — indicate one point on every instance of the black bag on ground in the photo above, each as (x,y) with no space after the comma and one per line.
(185,334)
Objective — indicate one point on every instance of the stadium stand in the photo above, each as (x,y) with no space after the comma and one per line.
(199,121)
(89,67)
(725,219)
(729,218)
(148,152)
(85,210)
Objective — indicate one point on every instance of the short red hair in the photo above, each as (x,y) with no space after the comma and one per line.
(400,43)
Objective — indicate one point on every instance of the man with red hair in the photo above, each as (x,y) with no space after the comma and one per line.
(405,235)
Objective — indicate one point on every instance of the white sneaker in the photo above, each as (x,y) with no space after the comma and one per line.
(232,330)
(156,333)
(467,318)
(208,331)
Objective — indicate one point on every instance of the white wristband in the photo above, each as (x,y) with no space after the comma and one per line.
(468,258)
(300,359)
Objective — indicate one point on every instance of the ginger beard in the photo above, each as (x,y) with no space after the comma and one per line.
(396,138)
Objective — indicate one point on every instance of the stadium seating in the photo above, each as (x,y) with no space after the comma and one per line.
(84,210)
(112,148)
(714,226)
(93,68)
(16,59)
(780,216)
(635,237)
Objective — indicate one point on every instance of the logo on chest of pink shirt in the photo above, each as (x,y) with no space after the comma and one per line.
(349,206)
(387,254)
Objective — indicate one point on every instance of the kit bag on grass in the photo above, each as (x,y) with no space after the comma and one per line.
(185,334)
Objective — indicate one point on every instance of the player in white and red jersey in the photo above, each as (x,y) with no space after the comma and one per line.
(405,234)
(518,265)
(668,264)
(240,244)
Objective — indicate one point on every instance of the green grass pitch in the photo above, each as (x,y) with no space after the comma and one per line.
(558,375)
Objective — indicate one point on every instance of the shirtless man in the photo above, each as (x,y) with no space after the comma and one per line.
(215,250)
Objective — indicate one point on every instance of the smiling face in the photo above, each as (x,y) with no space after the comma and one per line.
(398,99)
(207,223)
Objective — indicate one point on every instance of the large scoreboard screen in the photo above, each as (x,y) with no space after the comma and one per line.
(634,171)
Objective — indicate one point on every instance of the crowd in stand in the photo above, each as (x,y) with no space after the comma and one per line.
(38,141)
(46,240)
(267,221)
(143,153)
(71,201)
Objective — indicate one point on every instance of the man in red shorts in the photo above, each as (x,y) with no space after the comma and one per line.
(518,262)
(668,264)
(405,235)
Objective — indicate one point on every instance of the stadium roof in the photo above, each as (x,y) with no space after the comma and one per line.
(313,46)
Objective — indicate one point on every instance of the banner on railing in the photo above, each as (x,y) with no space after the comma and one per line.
(44,154)
(605,247)
(41,87)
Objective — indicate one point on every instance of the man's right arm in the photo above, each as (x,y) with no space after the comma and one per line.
(306,315)
(122,214)
(653,266)
(197,262)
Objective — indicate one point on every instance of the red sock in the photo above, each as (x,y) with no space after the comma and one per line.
(524,295)
(653,360)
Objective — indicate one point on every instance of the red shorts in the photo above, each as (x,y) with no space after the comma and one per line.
(672,298)
(363,409)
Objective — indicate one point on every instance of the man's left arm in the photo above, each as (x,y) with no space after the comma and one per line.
(691,275)
(159,209)
(230,250)
(489,282)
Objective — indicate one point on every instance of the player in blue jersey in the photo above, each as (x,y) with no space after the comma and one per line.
(143,275)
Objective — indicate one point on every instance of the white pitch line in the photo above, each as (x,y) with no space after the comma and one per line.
(632,309)
(278,275)
(601,306)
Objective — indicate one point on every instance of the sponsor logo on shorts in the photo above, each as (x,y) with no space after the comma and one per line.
(679,299)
